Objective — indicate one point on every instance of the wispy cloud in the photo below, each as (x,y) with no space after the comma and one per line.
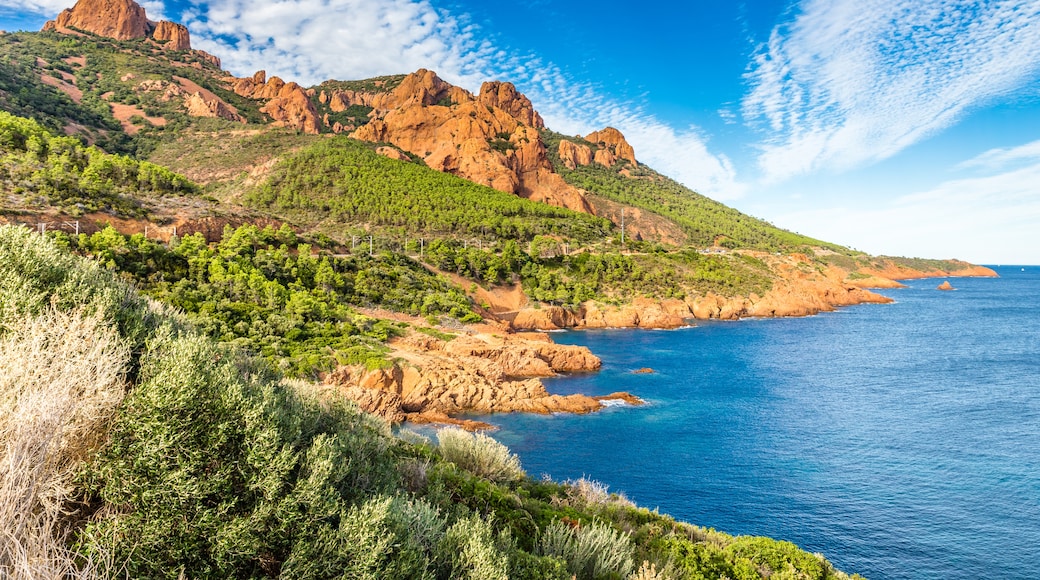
(1003,157)
(848,82)
(46,8)
(313,40)
(989,218)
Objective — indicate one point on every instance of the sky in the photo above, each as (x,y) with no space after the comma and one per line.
(896,127)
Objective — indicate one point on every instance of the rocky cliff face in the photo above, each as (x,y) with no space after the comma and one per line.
(288,104)
(175,36)
(121,20)
(491,139)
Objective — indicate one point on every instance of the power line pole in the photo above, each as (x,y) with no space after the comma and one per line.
(622,226)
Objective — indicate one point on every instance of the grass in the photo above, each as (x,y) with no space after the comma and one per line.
(480,454)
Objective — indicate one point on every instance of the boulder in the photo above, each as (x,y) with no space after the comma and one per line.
(945,286)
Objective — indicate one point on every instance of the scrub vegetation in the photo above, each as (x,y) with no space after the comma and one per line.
(163,453)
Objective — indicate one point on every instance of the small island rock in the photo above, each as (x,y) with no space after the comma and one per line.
(945,286)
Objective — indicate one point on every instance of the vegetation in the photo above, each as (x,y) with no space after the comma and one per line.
(214,467)
(42,170)
(345,181)
(705,221)
(267,292)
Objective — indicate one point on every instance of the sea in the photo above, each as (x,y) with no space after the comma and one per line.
(901,441)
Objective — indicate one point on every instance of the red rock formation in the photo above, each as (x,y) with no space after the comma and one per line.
(121,20)
(482,374)
(505,96)
(198,106)
(479,139)
(613,142)
(392,153)
(945,286)
(118,19)
(288,104)
(574,155)
(175,36)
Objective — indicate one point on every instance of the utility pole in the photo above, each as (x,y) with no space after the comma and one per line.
(421,247)
(369,246)
(622,226)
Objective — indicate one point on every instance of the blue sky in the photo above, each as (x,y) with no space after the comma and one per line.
(907,127)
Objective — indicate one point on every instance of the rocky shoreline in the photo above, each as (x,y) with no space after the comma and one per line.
(434,379)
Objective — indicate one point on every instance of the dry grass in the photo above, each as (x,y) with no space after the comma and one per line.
(61,380)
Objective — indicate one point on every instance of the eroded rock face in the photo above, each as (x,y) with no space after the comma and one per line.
(121,20)
(613,147)
(505,96)
(175,36)
(470,374)
(574,155)
(118,19)
(491,139)
(198,106)
(288,104)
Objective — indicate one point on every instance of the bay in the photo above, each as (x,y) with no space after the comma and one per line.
(899,440)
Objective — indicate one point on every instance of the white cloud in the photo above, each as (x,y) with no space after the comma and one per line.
(854,81)
(987,219)
(47,8)
(1002,157)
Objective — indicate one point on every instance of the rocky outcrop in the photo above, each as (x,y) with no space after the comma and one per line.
(505,96)
(612,147)
(118,19)
(199,106)
(121,20)
(469,374)
(491,139)
(574,155)
(288,104)
(945,286)
(392,153)
(173,36)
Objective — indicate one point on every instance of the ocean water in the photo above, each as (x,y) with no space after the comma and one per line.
(900,440)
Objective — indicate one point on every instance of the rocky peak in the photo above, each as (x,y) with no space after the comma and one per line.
(613,147)
(424,87)
(505,96)
(288,104)
(121,20)
(174,35)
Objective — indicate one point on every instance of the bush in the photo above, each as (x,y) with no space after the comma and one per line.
(591,551)
(479,454)
(468,549)
(62,380)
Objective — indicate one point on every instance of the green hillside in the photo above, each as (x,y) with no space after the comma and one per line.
(704,220)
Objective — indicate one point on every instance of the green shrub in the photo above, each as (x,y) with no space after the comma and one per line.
(592,551)
(479,454)
(468,549)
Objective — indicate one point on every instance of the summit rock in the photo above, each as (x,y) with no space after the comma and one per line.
(121,20)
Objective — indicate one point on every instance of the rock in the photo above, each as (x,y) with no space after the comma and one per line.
(470,374)
(491,139)
(574,155)
(505,96)
(624,397)
(644,371)
(391,152)
(611,140)
(290,107)
(121,20)
(198,106)
(945,286)
(118,19)
(175,36)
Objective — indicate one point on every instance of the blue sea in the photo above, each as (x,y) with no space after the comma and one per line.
(899,440)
